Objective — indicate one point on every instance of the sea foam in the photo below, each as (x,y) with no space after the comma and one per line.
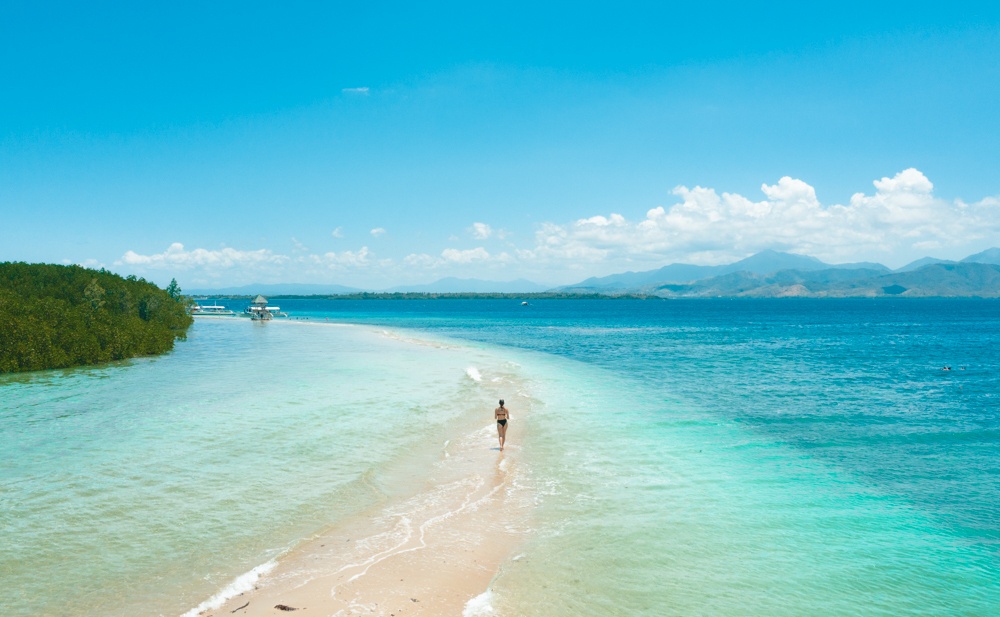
(241,584)
(473,374)
(480,606)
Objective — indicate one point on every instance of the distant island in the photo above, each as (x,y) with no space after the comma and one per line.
(419,295)
(773,274)
(62,316)
(768,274)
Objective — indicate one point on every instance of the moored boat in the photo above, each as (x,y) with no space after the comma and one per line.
(211,310)
(259,310)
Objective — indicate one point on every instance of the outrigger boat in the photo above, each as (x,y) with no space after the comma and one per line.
(211,310)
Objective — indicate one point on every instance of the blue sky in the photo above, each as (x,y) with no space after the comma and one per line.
(377,144)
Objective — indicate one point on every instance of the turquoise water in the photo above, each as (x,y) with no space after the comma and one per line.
(710,457)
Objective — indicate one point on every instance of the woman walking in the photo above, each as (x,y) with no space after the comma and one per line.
(502,414)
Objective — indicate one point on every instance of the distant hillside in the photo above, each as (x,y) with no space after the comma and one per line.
(775,274)
(764,262)
(961,279)
(934,280)
(767,273)
(989,256)
(920,263)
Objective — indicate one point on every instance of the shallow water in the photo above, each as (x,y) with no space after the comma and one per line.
(146,487)
(711,457)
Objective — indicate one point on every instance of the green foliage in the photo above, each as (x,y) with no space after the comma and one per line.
(60,316)
(174,290)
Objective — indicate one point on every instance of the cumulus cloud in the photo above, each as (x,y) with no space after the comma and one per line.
(897,220)
(363,91)
(466,256)
(421,260)
(177,257)
(235,266)
(338,232)
(343,260)
(457,257)
(708,227)
(481,231)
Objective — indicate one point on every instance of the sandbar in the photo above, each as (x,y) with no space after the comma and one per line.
(428,551)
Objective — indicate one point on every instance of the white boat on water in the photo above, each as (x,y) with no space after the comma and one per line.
(259,310)
(275,311)
(211,310)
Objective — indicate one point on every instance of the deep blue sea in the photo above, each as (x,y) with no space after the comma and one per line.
(744,457)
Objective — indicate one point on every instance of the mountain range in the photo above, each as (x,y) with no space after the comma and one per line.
(776,274)
(766,274)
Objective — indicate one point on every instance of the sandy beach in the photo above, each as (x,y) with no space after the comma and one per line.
(671,458)
(430,552)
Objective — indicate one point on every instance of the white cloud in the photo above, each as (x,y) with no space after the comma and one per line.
(901,217)
(452,257)
(907,181)
(177,257)
(343,260)
(466,256)
(233,266)
(481,231)
(421,260)
(364,91)
(338,232)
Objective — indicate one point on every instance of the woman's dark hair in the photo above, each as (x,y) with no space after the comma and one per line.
(501,402)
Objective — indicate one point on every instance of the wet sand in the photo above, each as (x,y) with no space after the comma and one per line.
(427,553)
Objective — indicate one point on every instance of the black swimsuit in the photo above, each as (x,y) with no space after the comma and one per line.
(502,422)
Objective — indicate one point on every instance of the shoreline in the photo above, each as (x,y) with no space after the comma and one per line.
(432,550)
(677,460)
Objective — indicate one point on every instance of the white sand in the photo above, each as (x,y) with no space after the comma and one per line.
(429,553)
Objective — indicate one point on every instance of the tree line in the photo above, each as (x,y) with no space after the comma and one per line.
(54,316)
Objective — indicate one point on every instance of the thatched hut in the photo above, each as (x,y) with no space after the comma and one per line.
(258,308)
